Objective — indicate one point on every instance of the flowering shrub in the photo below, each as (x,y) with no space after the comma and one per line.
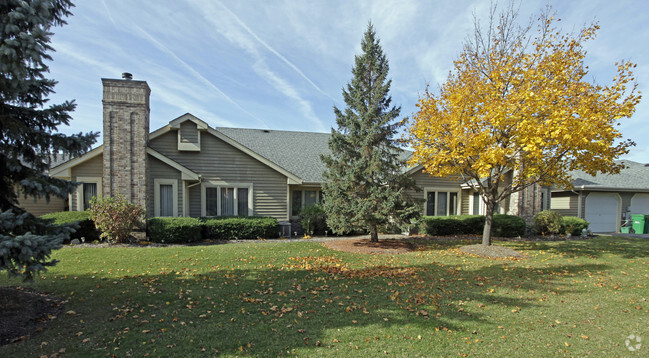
(115,217)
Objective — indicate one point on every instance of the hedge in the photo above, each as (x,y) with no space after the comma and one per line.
(240,228)
(179,230)
(502,225)
(577,225)
(86,228)
(188,230)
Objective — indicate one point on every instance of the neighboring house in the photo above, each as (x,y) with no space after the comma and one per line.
(40,206)
(606,201)
(188,168)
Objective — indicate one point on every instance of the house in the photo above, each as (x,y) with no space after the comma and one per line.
(188,168)
(41,206)
(606,201)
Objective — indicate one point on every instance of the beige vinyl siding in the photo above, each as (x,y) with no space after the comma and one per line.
(464,205)
(565,203)
(219,161)
(424,180)
(41,206)
(91,168)
(160,170)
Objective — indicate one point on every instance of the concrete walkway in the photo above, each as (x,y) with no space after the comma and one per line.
(640,236)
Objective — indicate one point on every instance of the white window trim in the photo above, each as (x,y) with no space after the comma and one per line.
(87,180)
(156,195)
(219,185)
(472,204)
(458,206)
(192,147)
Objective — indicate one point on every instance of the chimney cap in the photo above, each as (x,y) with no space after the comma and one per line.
(127,76)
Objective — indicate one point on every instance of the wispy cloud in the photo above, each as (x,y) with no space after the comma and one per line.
(195,73)
(269,48)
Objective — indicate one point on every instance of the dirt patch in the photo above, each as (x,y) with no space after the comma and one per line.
(365,246)
(25,312)
(491,251)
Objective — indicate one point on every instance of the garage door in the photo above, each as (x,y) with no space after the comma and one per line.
(602,211)
(640,204)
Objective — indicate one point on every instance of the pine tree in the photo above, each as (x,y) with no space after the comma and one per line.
(29,133)
(365,185)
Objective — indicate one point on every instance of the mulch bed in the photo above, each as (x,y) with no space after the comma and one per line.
(25,312)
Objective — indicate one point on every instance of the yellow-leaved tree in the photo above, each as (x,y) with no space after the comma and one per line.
(522,103)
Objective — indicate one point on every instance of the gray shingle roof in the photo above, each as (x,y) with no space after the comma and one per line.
(635,176)
(296,152)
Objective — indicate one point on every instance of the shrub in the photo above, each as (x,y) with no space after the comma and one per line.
(573,225)
(115,217)
(502,225)
(313,220)
(548,222)
(175,230)
(240,228)
(86,228)
(507,226)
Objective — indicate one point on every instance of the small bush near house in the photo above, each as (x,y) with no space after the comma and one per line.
(313,220)
(573,225)
(115,217)
(180,230)
(503,225)
(240,228)
(548,222)
(507,226)
(86,228)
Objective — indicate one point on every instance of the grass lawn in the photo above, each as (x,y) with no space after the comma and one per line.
(573,298)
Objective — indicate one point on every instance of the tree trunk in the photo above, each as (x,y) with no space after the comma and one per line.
(374,234)
(489,216)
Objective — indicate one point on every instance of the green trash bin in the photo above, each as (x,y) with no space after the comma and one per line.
(640,223)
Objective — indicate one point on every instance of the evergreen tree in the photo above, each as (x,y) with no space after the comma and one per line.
(365,185)
(29,132)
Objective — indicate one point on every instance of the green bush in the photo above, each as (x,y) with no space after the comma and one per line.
(314,220)
(507,226)
(502,225)
(86,228)
(548,222)
(240,228)
(573,225)
(180,230)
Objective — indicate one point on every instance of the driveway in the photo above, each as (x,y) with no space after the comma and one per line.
(641,236)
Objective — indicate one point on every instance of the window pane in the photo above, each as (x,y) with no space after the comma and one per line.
(89,192)
(166,200)
(210,201)
(452,204)
(297,202)
(310,197)
(441,203)
(476,203)
(227,201)
(430,203)
(242,201)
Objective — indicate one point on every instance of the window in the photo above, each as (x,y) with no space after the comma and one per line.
(90,187)
(303,199)
(165,197)
(227,200)
(89,192)
(441,203)
(476,203)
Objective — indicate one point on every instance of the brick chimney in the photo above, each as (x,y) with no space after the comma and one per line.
(126,135)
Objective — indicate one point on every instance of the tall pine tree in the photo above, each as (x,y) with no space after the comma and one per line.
(29,132)
(365,185)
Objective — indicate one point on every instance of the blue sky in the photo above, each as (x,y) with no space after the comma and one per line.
(283,64)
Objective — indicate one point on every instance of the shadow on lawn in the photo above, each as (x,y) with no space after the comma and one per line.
(269,312)
(627,248)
